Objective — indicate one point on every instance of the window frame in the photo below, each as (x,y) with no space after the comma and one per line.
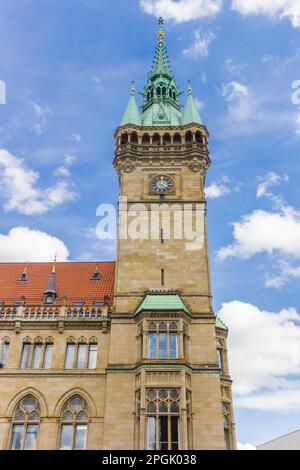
(162,328)
(25,423)
(73,423)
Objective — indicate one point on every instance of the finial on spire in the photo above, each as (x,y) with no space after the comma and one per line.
(190,89)
(161,33)
(132,89)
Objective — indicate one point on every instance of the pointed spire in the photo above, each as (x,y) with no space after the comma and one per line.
(161,63)
(191,113)
(131,115)
(50,293)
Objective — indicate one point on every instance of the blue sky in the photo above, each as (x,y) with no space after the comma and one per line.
(68,65)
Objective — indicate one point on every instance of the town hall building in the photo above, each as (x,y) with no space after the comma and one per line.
(125,354)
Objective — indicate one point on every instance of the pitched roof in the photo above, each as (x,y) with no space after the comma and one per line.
(162,302)
(73,281)
(131,115)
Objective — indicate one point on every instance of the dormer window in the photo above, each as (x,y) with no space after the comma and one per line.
(96,276)
(49,299)
(78,303)
(24,275)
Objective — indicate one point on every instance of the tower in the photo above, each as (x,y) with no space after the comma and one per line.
(167,365)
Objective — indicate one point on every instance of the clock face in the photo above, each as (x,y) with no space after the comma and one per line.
(162,184)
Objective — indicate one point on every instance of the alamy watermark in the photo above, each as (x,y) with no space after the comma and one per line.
(153,222)
(2,92)
(296,94)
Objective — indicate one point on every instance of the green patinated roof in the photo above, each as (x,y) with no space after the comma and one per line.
(162,302)
(220,324)
(132,115)
(161,104)
(191,113)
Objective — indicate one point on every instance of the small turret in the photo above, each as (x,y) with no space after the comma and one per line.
(131,115)
(191,114)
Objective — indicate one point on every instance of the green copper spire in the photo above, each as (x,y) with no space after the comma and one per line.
(131,115)
(191,113)
(161,94)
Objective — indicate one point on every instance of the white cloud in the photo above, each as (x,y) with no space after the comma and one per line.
(268,181)
(218,189)
(199,48)
(181,10)
(41,113)
(247,446)
(264,354)
(25,244)
(200,105)
(239,100)
(262,231)
(76,137)
(286,272)
(20,190)
(272,8)
(234,69)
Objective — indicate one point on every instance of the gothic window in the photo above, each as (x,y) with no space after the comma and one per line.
(25,355)
(226,418)
(162,340)
(25,424)
(4,347)
(164,90)
(74,424)
(220,355)
(81,356)
(163,419)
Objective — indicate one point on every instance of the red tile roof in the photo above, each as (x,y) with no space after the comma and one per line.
(73,281)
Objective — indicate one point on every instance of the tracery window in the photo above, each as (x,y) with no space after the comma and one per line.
(226,418)
(25,424)
(163,418)
(74,424)
(162,340)
(37,355)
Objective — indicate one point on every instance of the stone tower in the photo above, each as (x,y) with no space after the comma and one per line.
(167,366)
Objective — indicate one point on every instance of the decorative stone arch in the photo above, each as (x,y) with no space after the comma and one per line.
(27,391)
(38,339)
(76,391)
(124,138)
(146,139)
(82,340)
(50,340)
(71,339)
(93,340)
(199,137)
(5,339)
(134,139)
(156,139)
(177,140)
(188,137)
(27,339)
(166,139)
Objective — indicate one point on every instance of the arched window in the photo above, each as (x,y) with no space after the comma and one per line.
(220,355)
(156,139)
(146,139)
(25,424)
(74,424)
(188,137)
(226,418)
(124,138)
(177,139)
(164,90)
(163,419)
(198,137)
(158,91)
(134,138)
(166,139)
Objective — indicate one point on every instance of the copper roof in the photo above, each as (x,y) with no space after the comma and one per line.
(73,280)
